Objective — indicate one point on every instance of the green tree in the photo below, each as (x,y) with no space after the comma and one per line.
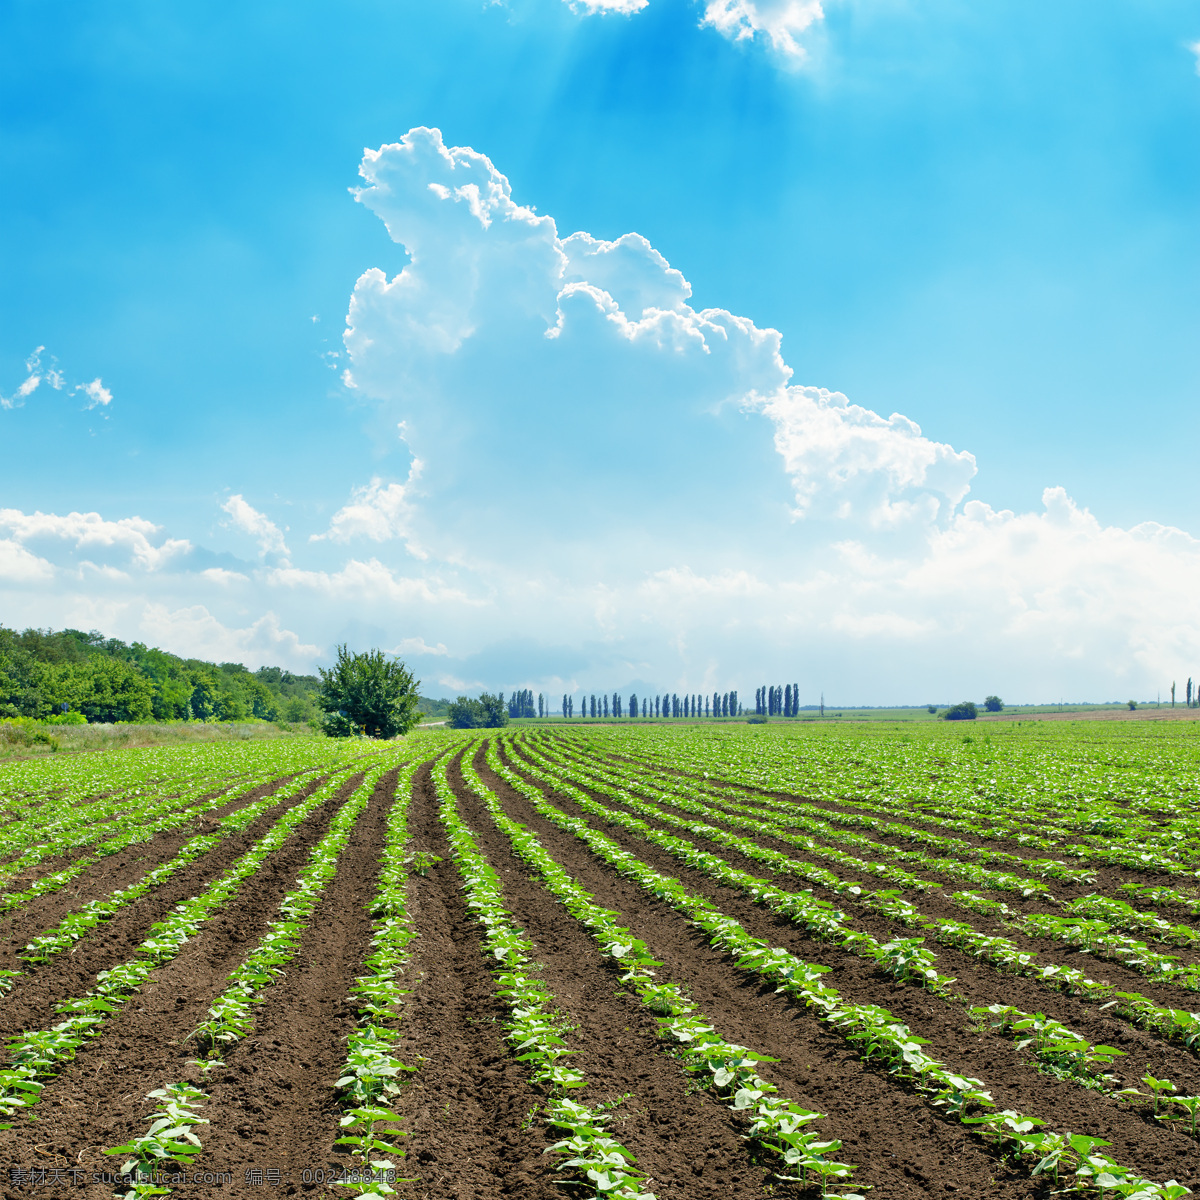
(488,712)
(993,704)
(966,711)
(107,689)
(368,692)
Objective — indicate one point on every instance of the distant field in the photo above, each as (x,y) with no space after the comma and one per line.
(1149,711)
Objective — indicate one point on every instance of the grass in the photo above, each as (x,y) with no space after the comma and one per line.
(33,739)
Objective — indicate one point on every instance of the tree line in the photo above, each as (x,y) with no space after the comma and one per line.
(70,676)
(691,706)
(777,701)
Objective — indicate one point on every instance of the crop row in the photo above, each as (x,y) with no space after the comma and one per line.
(1094,935)
(370,1077)
(536,1029)
(231,1015)
(995,950)
(780,826)
(1113,833)
(873,1030)
(777,1124)
(36,1056)
(82,921)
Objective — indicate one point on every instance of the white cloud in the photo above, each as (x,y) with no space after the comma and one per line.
(36,374)
(854,462)
(1195,49)
(98,395)
(592,447)
(131,536)
(258,525)
(379,512)
(781,22)
(417,645)
(193,632)
(616,483)
(625,7)
(17,565)
(368,582)
(498,329)
(223,577)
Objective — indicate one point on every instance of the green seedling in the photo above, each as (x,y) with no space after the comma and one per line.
(1190,1105)
(169,1140)
(419,861)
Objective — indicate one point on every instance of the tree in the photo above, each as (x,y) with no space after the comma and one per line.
(107,689)
(488,712)
(633,704)
(993,704)
(368,692)
(966,711)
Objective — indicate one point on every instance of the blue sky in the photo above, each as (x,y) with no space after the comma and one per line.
(982,217)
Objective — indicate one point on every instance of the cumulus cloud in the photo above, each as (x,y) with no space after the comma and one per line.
(18,565)
(96,395)
(246,518)
(573,384)
(498,330)
(777,22)
(852,460)
(780,22)
(131,538)
(194,632)
(417,645)
(378,512)
(370,582)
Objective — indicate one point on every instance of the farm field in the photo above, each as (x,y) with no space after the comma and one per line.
(690,961)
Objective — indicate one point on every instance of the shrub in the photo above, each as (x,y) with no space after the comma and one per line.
(67,718)
(966,711)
